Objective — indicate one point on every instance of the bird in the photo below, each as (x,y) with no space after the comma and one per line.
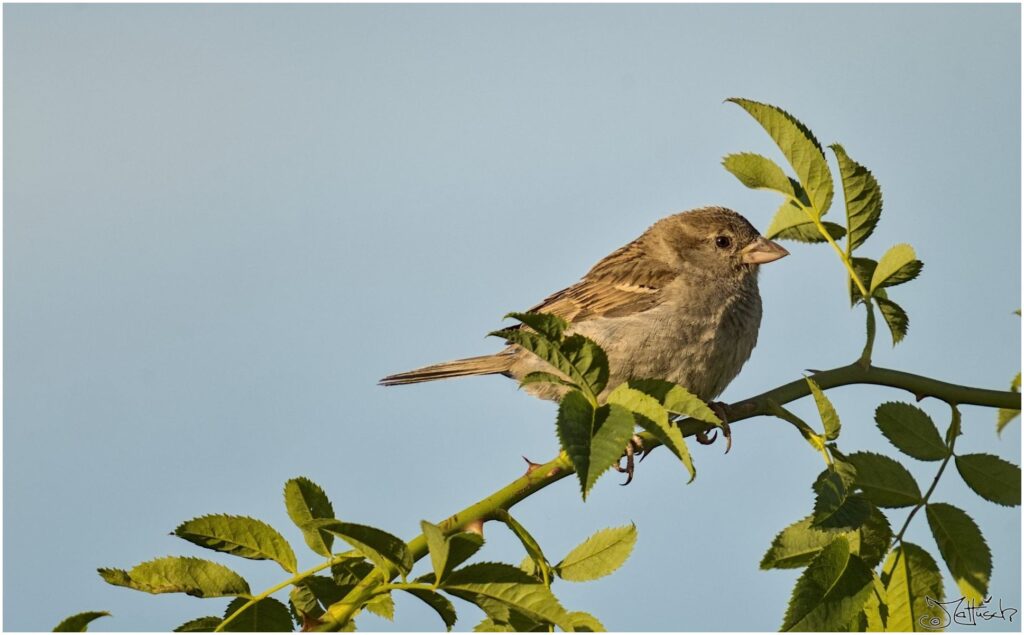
(679,303)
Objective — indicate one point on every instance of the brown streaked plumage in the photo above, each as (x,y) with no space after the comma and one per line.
(678,303)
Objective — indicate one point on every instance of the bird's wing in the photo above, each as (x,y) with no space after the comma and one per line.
(624,283)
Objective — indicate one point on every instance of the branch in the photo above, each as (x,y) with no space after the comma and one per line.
(541,476)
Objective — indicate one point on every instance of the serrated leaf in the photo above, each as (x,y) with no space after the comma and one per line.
(540,377)
(240,536)
(865,269)
(593,439)
(578,358)
(835,504)
(172,574)
(759,172)
(798,544)
(875,609)
(326,591)
(530,544)
(911,431)
(575,424)
(441,605)
(963,548)
(791,222)
(437,546)
(863,198)
(826,410)
(676,399)
(349,572)
(382,606)
(830,592)
(490,625)
(461,547)
(380,547)
(508,585)
(599,555)
(200,625)
(910,576)
(306,501)
(79,623)
(652,416)
(267,616)
(304,603)
(547,324)
(1006,415)
(895,317)
(873,538)
(897,266)
(991,477)
(884,481)
(585,623)
(800,148)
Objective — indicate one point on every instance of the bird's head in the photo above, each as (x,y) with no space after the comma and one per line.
(716,241)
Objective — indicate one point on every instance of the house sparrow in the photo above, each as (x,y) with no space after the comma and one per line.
(679,303)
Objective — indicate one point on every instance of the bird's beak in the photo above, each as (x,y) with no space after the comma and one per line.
(762,250)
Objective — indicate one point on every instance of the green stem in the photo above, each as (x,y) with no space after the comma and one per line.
(560,467)
(298,577)
(950,442)
(816,219)
(869,345)
(808,433)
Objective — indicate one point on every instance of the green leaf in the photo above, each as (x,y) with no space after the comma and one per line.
(911,430)
(324,590)
(791,222)
(79,623)
(835,504)
(828,413)
(379,546)
(897,266)
(798,544)
(437,545)
(540,377)
(529,542)
(382,606)
(441,605)
(676,399)
(547,324)
(306,501)
(963,548)
(304,602)
(884,481)
(759,173)
(240,536)
(585,623)
(865,269)
(895,317)
(800,148)
(267,615)
(461,547)
(599,555)
(910,575)
(578,358)
(508,585)
(873,538)
(991,477)
(349,572)
(1006,415)
(830,592)
(874,610)
(490,625)
(200,625)
(192,576)
(652,416)
(863,198)
(593,439)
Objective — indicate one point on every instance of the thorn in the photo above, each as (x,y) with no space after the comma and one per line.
(813,371)
(475,526)
(920,396)
(530,465)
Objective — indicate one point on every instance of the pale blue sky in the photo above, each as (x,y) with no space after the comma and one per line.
(224,223)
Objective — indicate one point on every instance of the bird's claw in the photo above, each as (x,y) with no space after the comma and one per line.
(633,448)
(702,437)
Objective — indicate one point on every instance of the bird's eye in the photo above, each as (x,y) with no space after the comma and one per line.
(723,242)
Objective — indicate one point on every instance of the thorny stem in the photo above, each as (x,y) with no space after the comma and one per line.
(560,467)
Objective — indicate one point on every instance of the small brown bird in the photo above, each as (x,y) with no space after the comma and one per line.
(678,303)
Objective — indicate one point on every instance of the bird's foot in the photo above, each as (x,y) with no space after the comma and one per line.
(702,437)
(633,448)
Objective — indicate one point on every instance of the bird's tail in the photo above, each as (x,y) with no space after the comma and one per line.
(485,365)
